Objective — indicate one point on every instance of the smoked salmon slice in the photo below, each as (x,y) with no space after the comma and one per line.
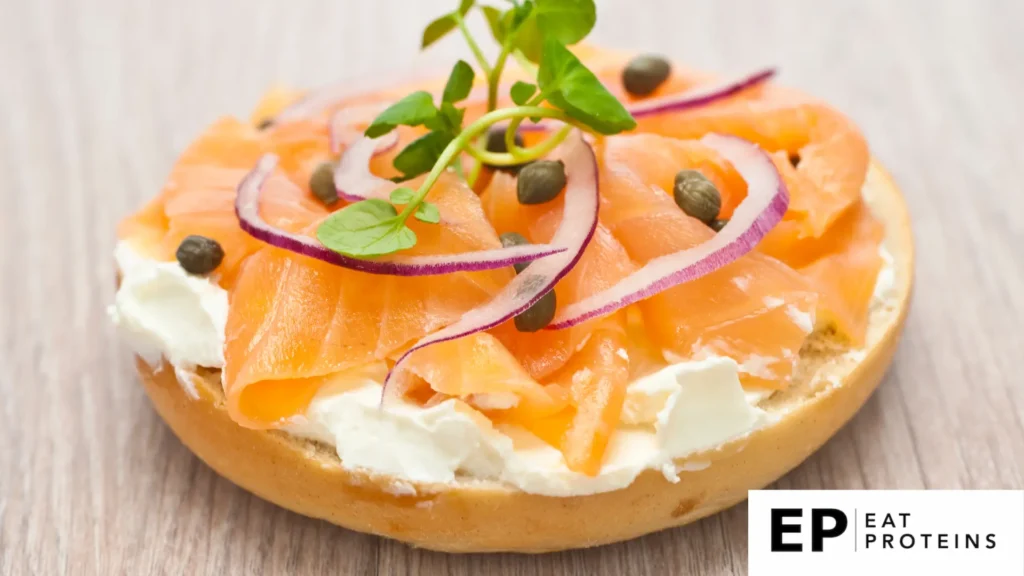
(293,319)
(199,199)
(756,310)
(604,262)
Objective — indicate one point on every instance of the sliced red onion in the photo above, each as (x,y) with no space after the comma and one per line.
(342,131)
(579,220)
(247,210)
(352,176)
(317,101)
(700,96)
(763,208)
(695,98)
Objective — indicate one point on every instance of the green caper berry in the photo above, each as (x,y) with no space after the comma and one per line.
(496,144)
(717,225)
(697,196)
(496,140)
(321,184)
(540,181)
(199,254)
(510,239)
(537,316)
(645,73)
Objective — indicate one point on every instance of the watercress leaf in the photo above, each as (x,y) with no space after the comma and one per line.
(521,92)
(367,228)
(567,21)
(427,212)
(529,39)
(494,21)
(519,14)
(570,86)
(452,117)
(421,154)
(413,110)
(442,25)
(402,195)
(438,29)
(459,84)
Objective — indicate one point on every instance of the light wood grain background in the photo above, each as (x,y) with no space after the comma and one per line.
(98,96)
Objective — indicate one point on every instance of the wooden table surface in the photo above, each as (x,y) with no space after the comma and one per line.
(98,97)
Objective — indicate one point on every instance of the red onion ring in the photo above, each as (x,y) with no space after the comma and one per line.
(352,177)
(247,210)
(341,132)
(695,98)
(763,208)
(700,96)
(579,220)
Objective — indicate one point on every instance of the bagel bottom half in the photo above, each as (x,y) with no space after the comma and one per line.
(831,384)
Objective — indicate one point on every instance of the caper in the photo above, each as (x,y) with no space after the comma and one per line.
(510,239)
(540,181)
(199,254)
(496,140)
(794,159)
(537,316)
(321,184)
(697,196)
(496,144)
(265,123)
(718,224)
(645,73)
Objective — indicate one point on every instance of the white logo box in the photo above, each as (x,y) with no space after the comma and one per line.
(905,532)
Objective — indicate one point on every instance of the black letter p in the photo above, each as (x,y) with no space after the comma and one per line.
(818,532)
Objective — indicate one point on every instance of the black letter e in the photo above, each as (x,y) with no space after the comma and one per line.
(779,528)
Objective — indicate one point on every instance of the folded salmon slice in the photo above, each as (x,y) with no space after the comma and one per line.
(199,199)
(596,378)
(756,310)
(604,262)
(480,370)
(843,267)
(294,322)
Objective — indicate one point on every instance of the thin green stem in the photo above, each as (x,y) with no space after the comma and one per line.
(460,143)
(477,53)
(474,172)
(513,127)
(529,67)
(494,78)
(526,154)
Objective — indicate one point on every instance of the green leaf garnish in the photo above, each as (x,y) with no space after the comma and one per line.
(531,32)
(528,36)
(521,92)
(440,27)
(366,229)
(421,154)
(567,21)
(413,110)
(459,84)
(428,212)
(494,21)
(570,86)
(402,195)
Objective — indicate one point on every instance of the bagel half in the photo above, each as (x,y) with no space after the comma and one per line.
(469,515)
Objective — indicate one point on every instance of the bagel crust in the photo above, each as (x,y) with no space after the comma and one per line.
(469,515)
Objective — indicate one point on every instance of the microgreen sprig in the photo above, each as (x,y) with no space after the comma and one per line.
(564,89)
